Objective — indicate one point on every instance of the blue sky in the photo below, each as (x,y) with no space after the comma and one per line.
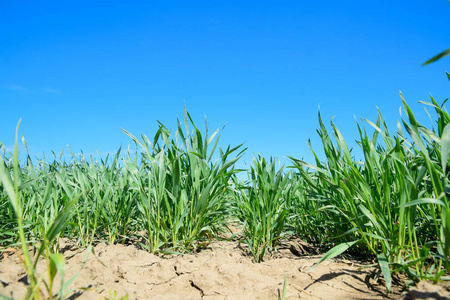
(77,72)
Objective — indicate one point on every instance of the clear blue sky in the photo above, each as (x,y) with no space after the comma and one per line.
(77,72)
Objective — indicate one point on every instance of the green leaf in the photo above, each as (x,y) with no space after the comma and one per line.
(445,146)
(384,265)
(437,57)
(446,228)
(57,264)
(134,138)
(423,201)
(5,179)
(61,220)
(333,252)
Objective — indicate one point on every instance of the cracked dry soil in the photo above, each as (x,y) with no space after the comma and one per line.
(223,271)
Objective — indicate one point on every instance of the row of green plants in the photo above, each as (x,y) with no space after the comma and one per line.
(394,205)
(180,190)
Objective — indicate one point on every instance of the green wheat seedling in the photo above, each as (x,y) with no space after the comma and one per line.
(394,204)
(13,184)
(182,192)
(107,210)
(282,295)
(261,206)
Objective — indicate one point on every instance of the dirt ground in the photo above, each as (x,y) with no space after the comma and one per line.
(223,271)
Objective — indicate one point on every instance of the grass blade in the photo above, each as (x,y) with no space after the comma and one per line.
(333,252)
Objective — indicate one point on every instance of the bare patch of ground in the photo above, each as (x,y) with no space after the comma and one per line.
(223,271)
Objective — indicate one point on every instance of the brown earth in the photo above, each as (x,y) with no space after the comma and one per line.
(223,271)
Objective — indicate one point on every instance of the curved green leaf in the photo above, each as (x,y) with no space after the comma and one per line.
(437,57)
(333,252)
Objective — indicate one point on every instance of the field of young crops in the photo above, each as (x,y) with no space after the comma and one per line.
(180,190)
